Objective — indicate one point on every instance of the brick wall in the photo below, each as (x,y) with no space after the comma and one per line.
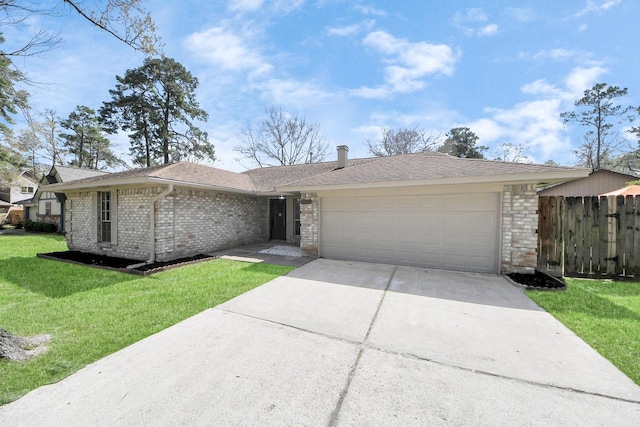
(187,222)
(190,222)
(132,226)
(309,224)
(519,224)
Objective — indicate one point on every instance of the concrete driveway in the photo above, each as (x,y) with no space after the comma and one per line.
(346,343)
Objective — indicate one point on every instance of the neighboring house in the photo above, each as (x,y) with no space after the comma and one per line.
(598,182)
(48,206)
(628,190)
(4,210)
(428,209)
(15,194)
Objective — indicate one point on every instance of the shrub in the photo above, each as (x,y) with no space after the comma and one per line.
(40,227)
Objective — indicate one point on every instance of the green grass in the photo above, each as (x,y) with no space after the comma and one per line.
(605,314)
(94,312)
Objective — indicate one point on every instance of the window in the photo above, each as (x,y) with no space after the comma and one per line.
(47,208)
(26,189)
(296,217)
(104,217)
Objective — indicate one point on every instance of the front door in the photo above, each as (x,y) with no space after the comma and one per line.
(278,219)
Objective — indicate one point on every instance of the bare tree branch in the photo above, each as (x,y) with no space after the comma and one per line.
(283,139)
(403,141)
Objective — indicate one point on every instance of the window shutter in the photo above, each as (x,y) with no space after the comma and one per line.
(94,217)
(114,217)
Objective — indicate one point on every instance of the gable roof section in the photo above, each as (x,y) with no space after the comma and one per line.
(268,179)
(68,173)
(188,174)
(428,167)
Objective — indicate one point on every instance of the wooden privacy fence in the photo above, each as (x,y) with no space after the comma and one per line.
(589,236)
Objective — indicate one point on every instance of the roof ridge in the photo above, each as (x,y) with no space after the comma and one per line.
(78,168)
(373,160)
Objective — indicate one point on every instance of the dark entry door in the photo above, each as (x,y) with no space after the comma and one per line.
(278,219)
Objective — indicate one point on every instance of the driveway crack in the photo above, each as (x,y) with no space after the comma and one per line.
(362,346)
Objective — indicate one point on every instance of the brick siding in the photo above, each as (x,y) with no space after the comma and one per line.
(187,223)
(519,226)
(309,224)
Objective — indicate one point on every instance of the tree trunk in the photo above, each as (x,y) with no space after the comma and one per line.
(19,349)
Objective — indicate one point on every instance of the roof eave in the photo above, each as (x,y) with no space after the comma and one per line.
(147,180)
(536,178)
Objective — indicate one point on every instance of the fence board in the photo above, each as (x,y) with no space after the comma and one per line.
(591,236)
(570,245)
(629,235)
(595,235)
(636,238)
(559,238)
(604,231)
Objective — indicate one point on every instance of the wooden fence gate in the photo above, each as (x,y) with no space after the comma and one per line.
(589,236)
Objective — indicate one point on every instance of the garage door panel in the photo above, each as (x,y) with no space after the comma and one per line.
(451,231)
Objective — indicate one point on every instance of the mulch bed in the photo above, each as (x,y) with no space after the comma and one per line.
(121,264)
(538,281)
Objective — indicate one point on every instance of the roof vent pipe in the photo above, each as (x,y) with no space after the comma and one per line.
(342,156)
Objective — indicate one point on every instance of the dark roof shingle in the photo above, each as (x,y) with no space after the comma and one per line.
(420,167)
(409,167)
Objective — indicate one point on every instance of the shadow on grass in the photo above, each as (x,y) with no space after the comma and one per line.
(57,279)
(579,299)
(615,288)
(263,268)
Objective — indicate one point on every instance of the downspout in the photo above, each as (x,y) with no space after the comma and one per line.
(152,222)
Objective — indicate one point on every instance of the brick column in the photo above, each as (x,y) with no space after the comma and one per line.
(519,225)
(309,224)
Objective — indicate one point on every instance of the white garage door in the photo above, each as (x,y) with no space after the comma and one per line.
(456,232)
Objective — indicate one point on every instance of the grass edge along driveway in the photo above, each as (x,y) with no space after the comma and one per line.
(605,314)
(92,312)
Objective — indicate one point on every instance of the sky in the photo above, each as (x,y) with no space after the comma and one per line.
(504,68)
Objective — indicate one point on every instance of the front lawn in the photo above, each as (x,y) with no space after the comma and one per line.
(605,314)
(93,312)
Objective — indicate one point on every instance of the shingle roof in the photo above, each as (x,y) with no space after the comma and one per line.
(188,173)
(411,167)
(68,173)
(204,175)
(268,179)
(419,167)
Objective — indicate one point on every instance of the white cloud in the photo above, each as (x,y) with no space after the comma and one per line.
(596,7)
(409,63)
(487,130)
(521,14)
(370,10)
(279,6)
(562,55)
(245,5)
(541,87)
(583,78)
(471,15)
(488,30)
(371,92)
(286,6)
(350,30)
(474,22)
(227,50)
(536,123)
(292,93)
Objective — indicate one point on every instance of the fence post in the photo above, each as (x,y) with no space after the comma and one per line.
(612,226)
(570,235)
(636,237)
